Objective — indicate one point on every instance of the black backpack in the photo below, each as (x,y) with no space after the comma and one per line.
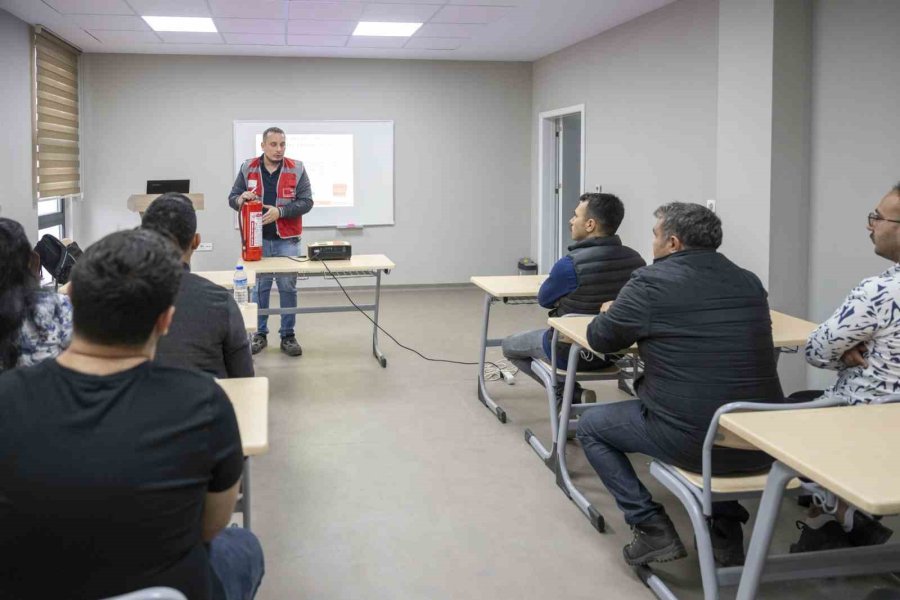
(57,258)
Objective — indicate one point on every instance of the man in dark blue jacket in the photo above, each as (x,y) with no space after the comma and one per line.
(703,330)
(593,272)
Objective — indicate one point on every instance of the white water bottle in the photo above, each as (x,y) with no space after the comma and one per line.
(241,291)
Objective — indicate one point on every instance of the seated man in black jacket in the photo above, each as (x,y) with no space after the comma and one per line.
(208,331)
(593,272)
(703,329)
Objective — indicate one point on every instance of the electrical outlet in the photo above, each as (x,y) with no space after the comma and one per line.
(711,204)
(597,189)
(205,247)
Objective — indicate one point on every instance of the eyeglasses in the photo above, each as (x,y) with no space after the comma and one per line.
(876,217)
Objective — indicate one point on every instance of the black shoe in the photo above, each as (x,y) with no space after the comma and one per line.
(258,342)
(829,536)
(867,531)
(727,536)
(655,540)
(290,346)
(579,396)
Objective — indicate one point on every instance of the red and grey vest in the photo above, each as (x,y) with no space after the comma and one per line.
(287,227)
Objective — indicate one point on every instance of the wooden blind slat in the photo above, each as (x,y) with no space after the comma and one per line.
(68,74)
(56,113)
(57,83)
(45,126)
(62,100)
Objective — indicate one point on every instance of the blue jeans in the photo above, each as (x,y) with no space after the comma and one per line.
(287,287)
(610,431)
(236,558)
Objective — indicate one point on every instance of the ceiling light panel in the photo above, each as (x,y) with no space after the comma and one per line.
(188,24)
(376,29)
(171,8)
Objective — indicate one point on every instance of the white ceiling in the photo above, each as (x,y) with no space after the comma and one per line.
(519,30)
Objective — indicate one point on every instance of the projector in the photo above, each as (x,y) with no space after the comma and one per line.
(338,250)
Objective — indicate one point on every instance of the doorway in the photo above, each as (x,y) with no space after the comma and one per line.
(560,179)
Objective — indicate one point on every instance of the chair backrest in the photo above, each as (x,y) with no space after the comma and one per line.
(157,593)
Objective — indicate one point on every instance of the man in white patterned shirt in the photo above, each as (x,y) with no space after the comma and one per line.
(861,341)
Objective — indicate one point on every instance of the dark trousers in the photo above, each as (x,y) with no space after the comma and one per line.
(609,432)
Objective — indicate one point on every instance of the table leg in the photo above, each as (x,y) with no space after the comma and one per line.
(563,479)
(550,383)
(776,482)
(482,387)
(379,355)
(245,493)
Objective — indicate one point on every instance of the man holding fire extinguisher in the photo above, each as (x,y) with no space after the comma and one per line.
(282,185)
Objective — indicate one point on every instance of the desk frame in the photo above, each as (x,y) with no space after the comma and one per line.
(487,342)
(334,274)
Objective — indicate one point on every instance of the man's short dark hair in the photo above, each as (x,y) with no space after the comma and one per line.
(122,284)
(606,209)
(897,188)
(272,130)
(695,225)
(173,216)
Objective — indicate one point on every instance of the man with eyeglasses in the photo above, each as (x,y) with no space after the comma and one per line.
(861,341)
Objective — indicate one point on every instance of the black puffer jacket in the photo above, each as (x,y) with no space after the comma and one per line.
(602,265)
(704,332)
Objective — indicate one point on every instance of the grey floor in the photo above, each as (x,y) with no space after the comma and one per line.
(397,483)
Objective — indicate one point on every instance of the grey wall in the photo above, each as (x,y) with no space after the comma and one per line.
(855,145)
(15,122)
(649,89)
(461,139)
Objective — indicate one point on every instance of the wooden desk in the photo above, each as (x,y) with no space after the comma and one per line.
(250,398)
(511,289)
(787,331)
(849,450)
(225,278)
(362,265)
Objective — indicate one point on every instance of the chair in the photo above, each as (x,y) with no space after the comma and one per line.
(156,593)
(555,457)
(698,491)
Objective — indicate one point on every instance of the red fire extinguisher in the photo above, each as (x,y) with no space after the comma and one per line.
(251,230)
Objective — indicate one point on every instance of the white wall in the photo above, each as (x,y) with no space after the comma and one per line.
(461,148)
(649,88)
(855,143)
(15,121)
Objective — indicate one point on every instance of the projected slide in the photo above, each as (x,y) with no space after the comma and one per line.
(328,158)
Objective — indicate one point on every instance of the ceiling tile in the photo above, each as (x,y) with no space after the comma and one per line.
(368,41)
(321,27)
(418,43)
(187,37)
(257,9)
(318,40)
(126,37)
(335,11)
(471,14)
(255,39)
(91,7)
(170,8)
(448,30)
(117,22)
(225,25)
(399,13)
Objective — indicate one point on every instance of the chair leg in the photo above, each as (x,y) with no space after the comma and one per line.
(699,524)
(548,456)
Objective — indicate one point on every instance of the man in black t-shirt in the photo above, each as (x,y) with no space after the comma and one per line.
(117,474)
